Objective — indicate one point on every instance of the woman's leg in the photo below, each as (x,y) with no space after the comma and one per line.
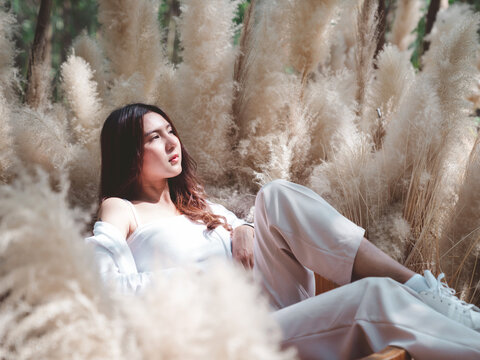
(371,261)
(366,316)
(297,231)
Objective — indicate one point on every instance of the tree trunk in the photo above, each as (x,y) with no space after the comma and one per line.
(173,11)
(382,24)
(431,17)
(38,65)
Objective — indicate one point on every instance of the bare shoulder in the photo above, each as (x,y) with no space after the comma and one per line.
(116,212)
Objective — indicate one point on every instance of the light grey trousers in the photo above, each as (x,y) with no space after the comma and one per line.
(296,231)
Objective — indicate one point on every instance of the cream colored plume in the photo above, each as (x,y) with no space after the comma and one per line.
(42,138)
(9,81)
(310,33)
(431,126)
(460,243)
(342,50)
(446,21)
(81,93)
(392,79)
(270,112)
(365,46)
(53,302)
(132,42)
(216,314)
(407,15)
(89,50)
(204,92)
(6,141)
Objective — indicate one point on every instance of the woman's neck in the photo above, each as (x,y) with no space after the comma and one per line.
(158,193)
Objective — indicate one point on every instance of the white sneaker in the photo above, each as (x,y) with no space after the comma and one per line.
(442,298)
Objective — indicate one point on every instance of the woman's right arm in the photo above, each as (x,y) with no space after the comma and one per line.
(112,254)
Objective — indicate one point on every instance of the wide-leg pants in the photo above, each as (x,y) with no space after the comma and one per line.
(298,232)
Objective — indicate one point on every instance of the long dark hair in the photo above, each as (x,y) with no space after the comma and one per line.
(122,144)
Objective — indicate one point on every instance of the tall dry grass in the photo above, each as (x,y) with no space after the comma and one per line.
(407,15)
(204,85)
(302,98)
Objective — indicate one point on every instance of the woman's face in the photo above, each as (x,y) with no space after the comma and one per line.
(162,155)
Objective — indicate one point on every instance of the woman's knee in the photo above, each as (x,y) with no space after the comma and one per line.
(273,187)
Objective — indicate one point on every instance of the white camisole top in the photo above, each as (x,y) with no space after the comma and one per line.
(162,245)
(175,241)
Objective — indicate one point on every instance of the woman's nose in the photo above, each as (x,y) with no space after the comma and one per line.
(170,145)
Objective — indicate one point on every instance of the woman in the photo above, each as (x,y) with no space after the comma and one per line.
(153,205)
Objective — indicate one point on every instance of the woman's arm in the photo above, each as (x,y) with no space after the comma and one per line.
(115,260)
(242,236)
(242,245)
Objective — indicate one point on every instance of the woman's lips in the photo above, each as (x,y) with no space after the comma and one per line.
(174,159)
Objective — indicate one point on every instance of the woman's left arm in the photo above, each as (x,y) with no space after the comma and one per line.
(242,245)
(242,235)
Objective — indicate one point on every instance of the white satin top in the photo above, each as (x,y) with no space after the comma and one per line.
(166,244)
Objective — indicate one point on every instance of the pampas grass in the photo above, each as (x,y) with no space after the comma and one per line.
(310,36)
(407,15)
(82,95)
(89,50)
(365,46)
(9,79)
(204,92)
(51,302)
(392,79)
(459,245)
(214,314)
(42,139)
(298,100)
(132,43)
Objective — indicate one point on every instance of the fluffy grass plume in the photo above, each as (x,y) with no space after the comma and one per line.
(342,50)
(269,107)
(310,37)
(6,142)
(41,138)
(365,46)
(216,314)
(81,93)
(431,127)
(205,86)
(407,15)
(52,301)
(9,81)
(392,78)
(89,50)
(460,243)
(447,20)
(132,43)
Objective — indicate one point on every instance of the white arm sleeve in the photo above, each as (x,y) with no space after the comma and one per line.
(115,261)
(232,219)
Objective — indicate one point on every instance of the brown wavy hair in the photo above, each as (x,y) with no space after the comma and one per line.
(122,143)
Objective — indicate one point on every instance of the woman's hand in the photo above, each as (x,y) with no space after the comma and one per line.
(242,245)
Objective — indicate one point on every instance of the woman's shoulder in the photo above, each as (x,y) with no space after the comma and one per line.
(115,211)
(113,204)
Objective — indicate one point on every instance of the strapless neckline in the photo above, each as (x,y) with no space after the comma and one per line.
(162,221)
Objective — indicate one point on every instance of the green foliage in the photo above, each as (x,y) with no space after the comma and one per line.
(68,19)
(418,44)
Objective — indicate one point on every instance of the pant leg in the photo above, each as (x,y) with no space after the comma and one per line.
(366,316)
(296,231)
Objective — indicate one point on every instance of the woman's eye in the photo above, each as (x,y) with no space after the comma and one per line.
(155,137)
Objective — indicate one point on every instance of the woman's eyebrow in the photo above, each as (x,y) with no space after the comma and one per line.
(157,130)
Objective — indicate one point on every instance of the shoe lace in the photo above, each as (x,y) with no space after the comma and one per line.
(447,292)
